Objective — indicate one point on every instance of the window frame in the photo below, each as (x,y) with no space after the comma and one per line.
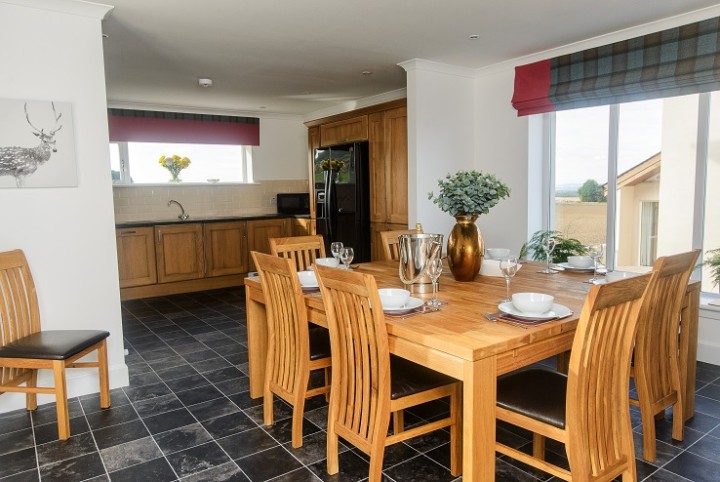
(701,160)
(246,168)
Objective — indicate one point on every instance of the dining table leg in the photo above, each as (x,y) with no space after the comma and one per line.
(479,398)
(257,341)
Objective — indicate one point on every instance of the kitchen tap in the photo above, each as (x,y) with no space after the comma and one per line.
(183,216)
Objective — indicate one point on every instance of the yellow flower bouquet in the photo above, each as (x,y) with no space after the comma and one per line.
(174,164)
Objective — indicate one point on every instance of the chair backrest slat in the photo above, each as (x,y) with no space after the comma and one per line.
(360,354)
(391,243)
(288,346)
(19,311)
(303,250)
(598,417)
(656,348)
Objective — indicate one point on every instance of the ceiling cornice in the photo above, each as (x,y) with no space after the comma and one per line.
(437,67)
(71,7)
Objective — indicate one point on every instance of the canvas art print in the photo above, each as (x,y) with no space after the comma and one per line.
(37,144)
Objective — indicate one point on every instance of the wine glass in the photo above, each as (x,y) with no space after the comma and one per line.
(595,251)
(336,248)
(346,256)
(548,247)
(508,267)
(434,268)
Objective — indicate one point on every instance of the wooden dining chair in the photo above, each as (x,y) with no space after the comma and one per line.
(368,384)
(303,250)
(391,242)
(294,349)
(656,365)
(588,409)
(26,348)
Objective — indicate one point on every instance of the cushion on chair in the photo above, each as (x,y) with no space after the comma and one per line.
(53,344)
(319,342)
(538,393)
(407,378)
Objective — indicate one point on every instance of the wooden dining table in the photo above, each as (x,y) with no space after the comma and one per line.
(461,342)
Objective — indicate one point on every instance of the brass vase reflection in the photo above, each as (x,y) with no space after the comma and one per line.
(465,249)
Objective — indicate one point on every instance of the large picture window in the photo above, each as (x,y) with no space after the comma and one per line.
(137,162)
(654,164)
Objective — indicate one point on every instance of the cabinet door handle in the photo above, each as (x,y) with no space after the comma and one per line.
(159,237)
(127,233)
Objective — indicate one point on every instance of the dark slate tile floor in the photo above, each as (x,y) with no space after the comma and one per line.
(187,416)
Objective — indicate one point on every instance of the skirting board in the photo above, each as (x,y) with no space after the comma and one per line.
(709,335)
(80,381)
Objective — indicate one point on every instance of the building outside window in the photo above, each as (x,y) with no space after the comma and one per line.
(658,164)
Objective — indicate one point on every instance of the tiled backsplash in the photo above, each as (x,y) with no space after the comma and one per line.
(139,203)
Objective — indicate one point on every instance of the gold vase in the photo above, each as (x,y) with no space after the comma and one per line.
(465,249)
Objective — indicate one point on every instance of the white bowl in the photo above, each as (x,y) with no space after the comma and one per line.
(497,253)
(393,298)
(532,303)
(611,276)
(331,262)
(307,278)
(580,261)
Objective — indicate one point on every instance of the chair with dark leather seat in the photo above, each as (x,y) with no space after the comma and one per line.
(294,349)
(368,384)
(656,366)
(588,409)
(25,348)
(303,250)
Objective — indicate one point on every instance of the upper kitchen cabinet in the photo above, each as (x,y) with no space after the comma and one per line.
(180,253)
(388,167)
(344,131)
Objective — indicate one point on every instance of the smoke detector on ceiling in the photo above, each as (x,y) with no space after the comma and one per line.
(205,82)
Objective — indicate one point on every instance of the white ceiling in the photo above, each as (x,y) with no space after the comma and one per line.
(297,57)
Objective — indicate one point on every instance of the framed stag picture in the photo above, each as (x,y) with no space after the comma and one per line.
(37,144)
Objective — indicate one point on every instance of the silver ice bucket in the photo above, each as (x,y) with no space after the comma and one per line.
(416,250)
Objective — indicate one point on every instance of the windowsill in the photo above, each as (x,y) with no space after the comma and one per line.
(711,309)
(192,184)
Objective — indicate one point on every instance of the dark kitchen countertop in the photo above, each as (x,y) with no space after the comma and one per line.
(211,219)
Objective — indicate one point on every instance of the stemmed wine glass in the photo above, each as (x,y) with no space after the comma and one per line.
(346,256)
(336,248)
(433,269)
(595,251)
(548,247)
(508,267)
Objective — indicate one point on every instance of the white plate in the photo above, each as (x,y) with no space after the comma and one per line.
(557,311)
(310,286)
(411,304)
(570,267)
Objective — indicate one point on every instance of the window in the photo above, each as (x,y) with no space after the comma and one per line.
(137,162)
(657,163)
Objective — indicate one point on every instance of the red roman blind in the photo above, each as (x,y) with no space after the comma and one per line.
(128,125)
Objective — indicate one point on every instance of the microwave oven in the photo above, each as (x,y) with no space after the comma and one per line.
(293,203)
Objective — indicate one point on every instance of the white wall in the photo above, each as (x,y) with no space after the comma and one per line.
(283,151)
(501,140)
(66,233)
(441,129)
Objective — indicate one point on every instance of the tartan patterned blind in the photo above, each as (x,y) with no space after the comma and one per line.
(678,61)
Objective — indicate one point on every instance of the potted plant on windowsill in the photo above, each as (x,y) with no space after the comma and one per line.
(466,195)
(564,247)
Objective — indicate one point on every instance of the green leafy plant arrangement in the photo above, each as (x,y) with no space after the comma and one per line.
(564,247)
(712,262)
(469,193)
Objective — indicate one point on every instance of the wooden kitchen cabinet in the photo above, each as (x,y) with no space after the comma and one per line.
(388,174)
(136,256)
(344,131)
(226,249)
(179,251)
(259,232)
